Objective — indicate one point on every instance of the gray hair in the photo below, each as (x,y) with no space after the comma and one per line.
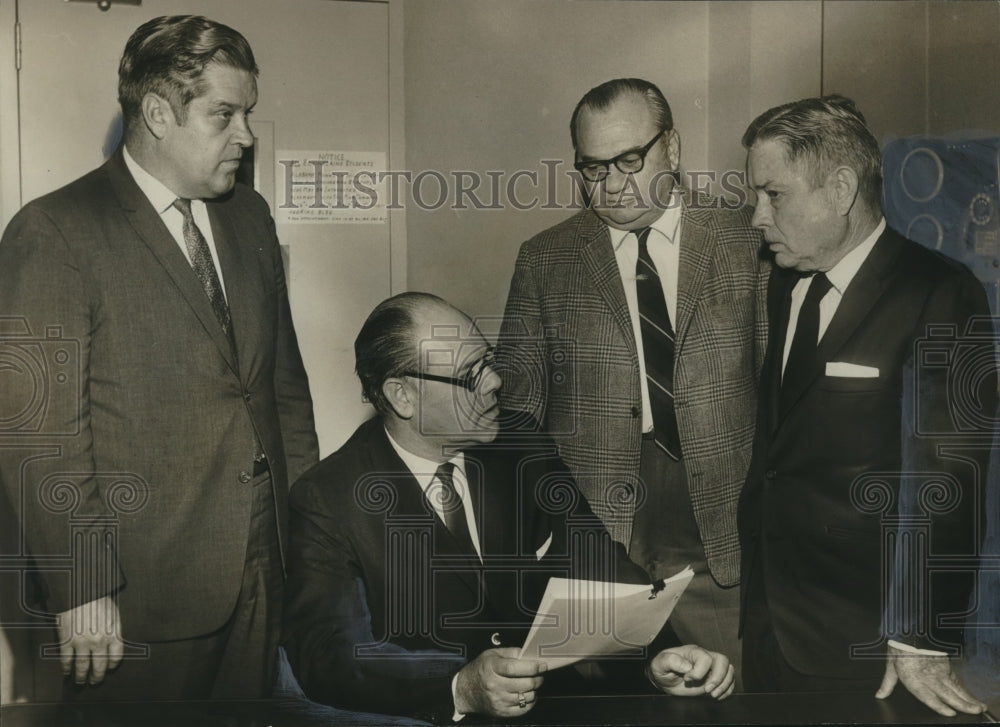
(827,131)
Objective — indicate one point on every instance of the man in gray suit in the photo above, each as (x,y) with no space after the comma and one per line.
(635,331)
(152,482)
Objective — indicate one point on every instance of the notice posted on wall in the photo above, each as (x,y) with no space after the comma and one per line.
(332,187)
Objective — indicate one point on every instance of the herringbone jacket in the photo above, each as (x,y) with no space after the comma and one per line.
(567,355)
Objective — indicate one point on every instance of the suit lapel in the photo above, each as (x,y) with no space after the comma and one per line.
(244,289)
(474,477)
(485,471)
(150,229)
(779,305)
(599,259)
(861,295)
(696,253)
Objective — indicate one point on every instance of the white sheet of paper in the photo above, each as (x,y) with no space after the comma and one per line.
(586,619)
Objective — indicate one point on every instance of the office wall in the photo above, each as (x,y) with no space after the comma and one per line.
(915,67)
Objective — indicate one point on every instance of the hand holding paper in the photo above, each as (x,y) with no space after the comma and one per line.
(585,619)
(498,683)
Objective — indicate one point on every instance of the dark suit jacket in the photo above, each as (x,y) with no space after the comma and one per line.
(382,608)
(147,417)
(568,357)
(849,455)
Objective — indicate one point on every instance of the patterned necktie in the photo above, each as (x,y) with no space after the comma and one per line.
(204,266)
(658,349)
(802,355)
(454,510)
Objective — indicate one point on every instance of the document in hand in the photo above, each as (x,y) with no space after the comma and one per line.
(586,619)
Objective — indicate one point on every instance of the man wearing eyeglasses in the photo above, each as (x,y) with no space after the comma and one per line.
(634,332)
(420,549)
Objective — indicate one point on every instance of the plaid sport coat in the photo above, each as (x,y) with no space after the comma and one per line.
(567,355)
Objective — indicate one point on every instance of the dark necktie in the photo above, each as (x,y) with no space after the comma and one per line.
(454,510)
(658,349)
(203,265)
(802,355)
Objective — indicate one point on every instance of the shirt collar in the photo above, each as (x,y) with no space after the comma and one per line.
(423,469)
(666,224)
(841,274)
(156,191)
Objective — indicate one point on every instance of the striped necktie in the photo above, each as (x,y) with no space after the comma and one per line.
(658,349)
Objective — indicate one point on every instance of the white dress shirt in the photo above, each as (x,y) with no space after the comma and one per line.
(162,200)
(424,471)
(664,245)
(840,276)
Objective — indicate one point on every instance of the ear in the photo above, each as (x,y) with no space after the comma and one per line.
(157,114)
(844,181)
(674,149)
(402,397)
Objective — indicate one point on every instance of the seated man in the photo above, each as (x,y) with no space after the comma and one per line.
(421,548)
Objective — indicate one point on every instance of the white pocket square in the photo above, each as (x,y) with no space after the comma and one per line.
(540,553)
(850,371)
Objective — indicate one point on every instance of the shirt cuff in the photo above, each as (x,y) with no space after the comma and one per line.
(914,650)
(457,716)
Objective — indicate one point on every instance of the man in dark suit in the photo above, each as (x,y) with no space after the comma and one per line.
(634,332)
(863,442)
(152,483)
(421,548)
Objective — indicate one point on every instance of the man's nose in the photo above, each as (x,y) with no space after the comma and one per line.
(761,214)
(242,135)
(491,381)
(615,181)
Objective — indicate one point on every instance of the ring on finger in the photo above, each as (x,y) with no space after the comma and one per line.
(520,700)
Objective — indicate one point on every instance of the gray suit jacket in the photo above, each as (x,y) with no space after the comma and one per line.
(568,357)
(135,464)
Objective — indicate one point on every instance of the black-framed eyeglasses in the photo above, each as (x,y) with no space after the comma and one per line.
(628,162)
(472,377)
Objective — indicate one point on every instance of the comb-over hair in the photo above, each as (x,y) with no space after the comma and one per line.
(601,97)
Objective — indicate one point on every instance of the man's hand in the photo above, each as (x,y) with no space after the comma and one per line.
(686,671)
(496,683)
(930,679)
(90,640)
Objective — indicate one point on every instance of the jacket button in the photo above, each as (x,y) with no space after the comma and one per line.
(636,411)
(770,474)
(246,396)
(244,477)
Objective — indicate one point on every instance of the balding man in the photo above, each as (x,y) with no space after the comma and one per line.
(421,548)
